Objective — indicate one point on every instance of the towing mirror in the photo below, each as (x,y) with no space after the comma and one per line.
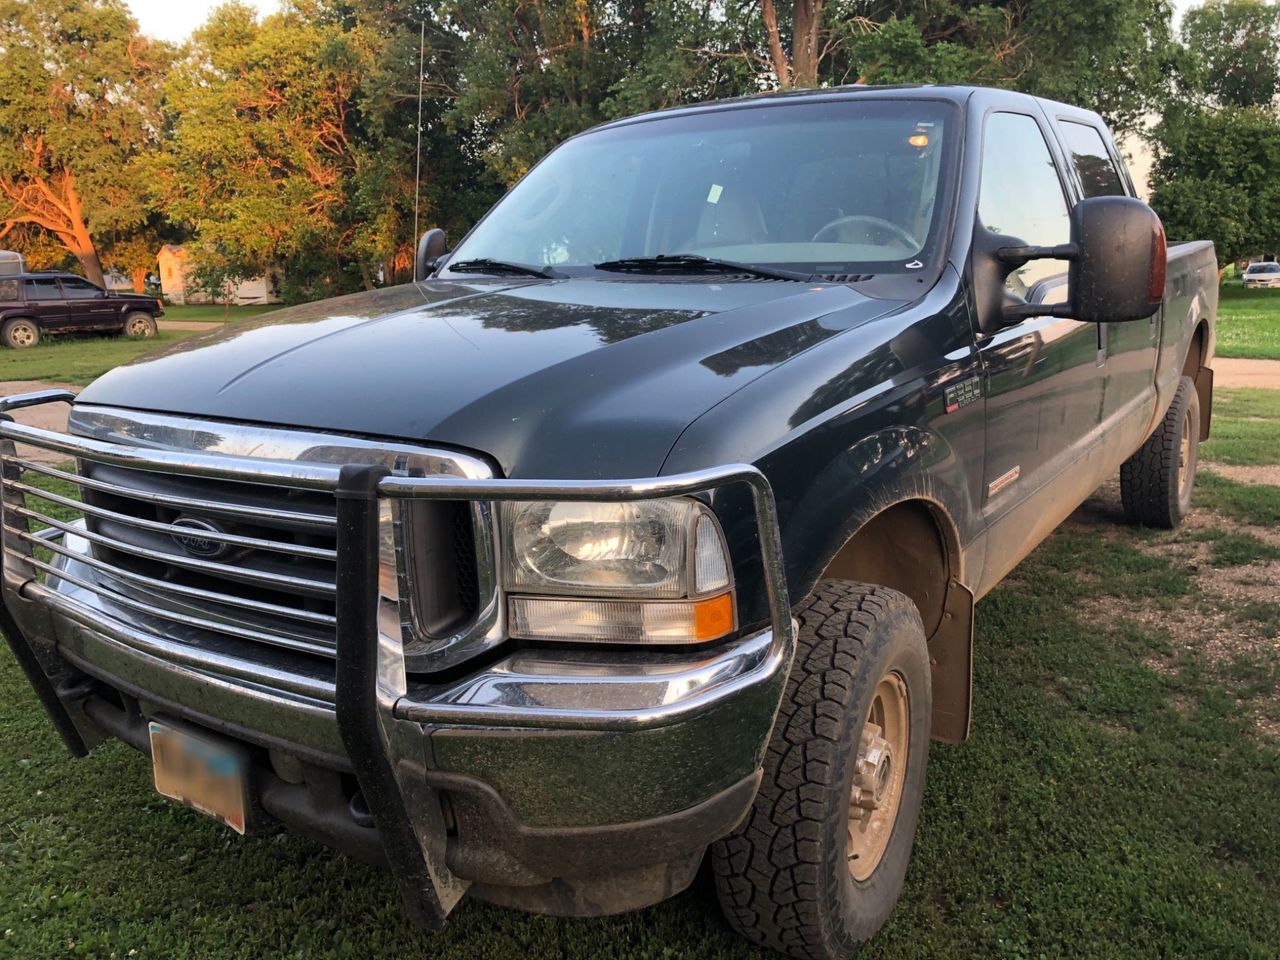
(1118,260)
(431,248)
(1119,271)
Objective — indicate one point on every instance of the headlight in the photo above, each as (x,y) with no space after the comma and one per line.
(655,571)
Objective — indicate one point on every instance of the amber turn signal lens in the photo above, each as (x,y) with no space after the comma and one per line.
(918,140)
(713,618)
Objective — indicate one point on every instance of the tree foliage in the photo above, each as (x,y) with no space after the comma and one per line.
(78,86)
(1215,178)
(1233,49)
(290,141)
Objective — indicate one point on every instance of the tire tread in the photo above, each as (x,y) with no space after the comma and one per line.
(768,873)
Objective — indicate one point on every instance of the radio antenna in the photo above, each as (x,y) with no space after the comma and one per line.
(417,173)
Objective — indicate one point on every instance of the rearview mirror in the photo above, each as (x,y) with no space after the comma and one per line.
(431,248)
(1118,260)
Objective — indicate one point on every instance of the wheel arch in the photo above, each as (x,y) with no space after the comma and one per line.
(910,543)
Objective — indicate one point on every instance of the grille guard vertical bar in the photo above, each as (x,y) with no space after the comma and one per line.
(358,696)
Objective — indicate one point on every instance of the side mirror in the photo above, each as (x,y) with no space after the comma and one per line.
(1119,271)
(431,248)
(1118,257)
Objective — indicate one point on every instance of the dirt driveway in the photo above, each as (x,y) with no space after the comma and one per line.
(1228,372)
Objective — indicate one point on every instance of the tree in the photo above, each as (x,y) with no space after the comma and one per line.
(76,113)
(1214,177)
(1234,48)
(260,160)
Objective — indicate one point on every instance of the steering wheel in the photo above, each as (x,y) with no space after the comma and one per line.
(834,229)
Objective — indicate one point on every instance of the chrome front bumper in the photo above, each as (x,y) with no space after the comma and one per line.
(537,753)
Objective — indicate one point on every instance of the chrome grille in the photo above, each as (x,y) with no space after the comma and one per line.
(187,555)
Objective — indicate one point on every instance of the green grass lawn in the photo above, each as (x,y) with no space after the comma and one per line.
(1116,799)
(1246,428)
(78,360)
(1248,322)
(82,359)
(213,312)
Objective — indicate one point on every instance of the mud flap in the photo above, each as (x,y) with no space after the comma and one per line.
(386,755)
(1204,390)
(951,665)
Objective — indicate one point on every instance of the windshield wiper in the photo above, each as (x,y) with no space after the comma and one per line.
(695,263)
(487,265)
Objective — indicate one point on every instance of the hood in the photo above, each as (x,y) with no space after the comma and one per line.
(568,378)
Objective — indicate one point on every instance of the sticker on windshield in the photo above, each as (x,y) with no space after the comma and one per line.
(914,265)
(713,196)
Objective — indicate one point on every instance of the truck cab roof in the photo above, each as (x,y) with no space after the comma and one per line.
(959,94)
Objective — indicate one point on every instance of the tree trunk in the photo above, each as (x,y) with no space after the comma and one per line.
(139,277)
(89,262)
(805,54)
(780,65)
(81,244)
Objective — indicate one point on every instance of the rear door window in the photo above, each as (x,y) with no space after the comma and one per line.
(43,288)
(1094,166)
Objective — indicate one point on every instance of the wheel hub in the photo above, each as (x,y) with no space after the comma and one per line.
(878,776)
(871,777)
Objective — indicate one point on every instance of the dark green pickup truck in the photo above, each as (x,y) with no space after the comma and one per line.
(645,526)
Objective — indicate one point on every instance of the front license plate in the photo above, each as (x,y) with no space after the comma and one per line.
(200,773)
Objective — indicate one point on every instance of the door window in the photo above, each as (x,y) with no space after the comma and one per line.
(1021,194)
(1094,166)
(43,289)
(76,289)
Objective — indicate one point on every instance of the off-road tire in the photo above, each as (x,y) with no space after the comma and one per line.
(1156,483)
(20,333)
(139,326)
(783,877)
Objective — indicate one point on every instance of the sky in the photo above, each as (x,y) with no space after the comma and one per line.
(175,19)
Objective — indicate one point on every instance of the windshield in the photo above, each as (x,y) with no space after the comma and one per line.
(1264,268)
(843,186)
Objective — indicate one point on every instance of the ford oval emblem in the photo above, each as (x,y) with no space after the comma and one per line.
(207,548)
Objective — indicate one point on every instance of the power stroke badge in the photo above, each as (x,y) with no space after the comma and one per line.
(963,393)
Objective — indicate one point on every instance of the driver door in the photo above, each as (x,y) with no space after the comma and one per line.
(1043,382)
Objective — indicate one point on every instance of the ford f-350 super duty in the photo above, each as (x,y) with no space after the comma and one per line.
(645,526)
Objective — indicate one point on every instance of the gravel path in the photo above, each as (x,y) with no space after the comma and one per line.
(1246,373)
(187,324)
(49,416)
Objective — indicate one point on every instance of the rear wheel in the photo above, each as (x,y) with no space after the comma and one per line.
(139,326)
(1156,483)
(816,868)
(20,333)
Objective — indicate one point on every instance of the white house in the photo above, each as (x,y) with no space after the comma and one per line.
(177,282)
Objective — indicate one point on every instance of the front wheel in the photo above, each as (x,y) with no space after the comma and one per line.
(818,865)
(140,326)
(20,333)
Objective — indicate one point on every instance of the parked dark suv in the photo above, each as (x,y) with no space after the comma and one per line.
(33,305)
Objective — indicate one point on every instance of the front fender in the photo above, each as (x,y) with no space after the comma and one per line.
(861,421)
